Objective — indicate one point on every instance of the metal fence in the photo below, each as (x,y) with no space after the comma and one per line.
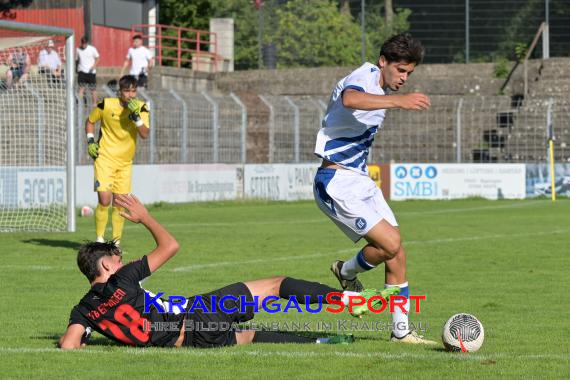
(207,128)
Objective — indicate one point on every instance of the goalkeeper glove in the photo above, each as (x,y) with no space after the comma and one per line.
(92,148)
(135,109)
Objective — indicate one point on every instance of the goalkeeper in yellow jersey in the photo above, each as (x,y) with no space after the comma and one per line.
(122,120)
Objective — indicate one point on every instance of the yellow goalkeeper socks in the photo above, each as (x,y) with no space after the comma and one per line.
(101,218)
(118,222)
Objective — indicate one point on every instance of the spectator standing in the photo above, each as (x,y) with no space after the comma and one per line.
(140,60)
(87,60)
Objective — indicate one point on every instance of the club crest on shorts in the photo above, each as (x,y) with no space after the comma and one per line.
(360,223)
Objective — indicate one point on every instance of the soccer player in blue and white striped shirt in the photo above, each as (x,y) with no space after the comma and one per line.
(343,189)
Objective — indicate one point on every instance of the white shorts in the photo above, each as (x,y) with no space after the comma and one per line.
(352,201)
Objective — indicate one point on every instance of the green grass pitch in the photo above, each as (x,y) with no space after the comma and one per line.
(507,262)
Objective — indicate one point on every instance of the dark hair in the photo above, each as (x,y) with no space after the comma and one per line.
(137,37)
(127,81)
(402,48)
(89,255)
(84,40)
(112,84)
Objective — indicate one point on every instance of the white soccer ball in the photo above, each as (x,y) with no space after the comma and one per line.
(86,211)
(463,332)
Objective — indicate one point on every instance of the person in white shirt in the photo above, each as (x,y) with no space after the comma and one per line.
(49,63)
(87,60)
(140,60)
(342,188)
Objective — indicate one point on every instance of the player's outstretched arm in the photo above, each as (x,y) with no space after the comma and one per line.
(71,340)
(365,101)
(166,244)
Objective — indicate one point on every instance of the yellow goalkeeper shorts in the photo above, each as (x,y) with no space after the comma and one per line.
(110,176)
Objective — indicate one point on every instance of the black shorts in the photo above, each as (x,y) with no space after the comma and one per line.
(17,72)
(200,335)
(86,80)
(142,80)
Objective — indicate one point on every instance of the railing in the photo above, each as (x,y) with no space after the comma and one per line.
(543,30)
(207,128)
(181,47)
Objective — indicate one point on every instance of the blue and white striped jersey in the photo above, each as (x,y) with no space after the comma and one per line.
(346,134)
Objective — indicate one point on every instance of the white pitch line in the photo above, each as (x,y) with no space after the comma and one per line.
(485,237)
(229,352)
(254,261)
(348,250)
(193,267)
(326,220)
(476,209)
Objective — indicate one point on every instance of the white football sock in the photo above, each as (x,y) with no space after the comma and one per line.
(357,264)
(399,318)
(346,294)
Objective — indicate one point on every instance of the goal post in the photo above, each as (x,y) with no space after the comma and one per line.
(37,141)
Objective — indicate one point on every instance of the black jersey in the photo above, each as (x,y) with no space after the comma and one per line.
(116,310)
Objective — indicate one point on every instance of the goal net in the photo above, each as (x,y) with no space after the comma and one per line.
(34,161)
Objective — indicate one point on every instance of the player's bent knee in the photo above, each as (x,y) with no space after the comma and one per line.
(388,250)
(393,249)
(104,199)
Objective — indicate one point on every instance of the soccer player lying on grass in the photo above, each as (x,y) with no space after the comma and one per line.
(114,306)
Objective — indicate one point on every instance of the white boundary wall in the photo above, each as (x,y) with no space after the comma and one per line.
(453,181)
(283,182)
(290,182)
(172,183)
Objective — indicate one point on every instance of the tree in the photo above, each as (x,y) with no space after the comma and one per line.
(187,14)
(306,33)
(379,30)
(246,29)
(516,31)
(196,14)
(314,33)
(389,10)
(344,6)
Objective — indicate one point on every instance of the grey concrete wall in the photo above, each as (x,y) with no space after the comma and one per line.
(166,78)
(452,79)
(548,76)
(436,79)
(311,81)
(224,29)
(181,79)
